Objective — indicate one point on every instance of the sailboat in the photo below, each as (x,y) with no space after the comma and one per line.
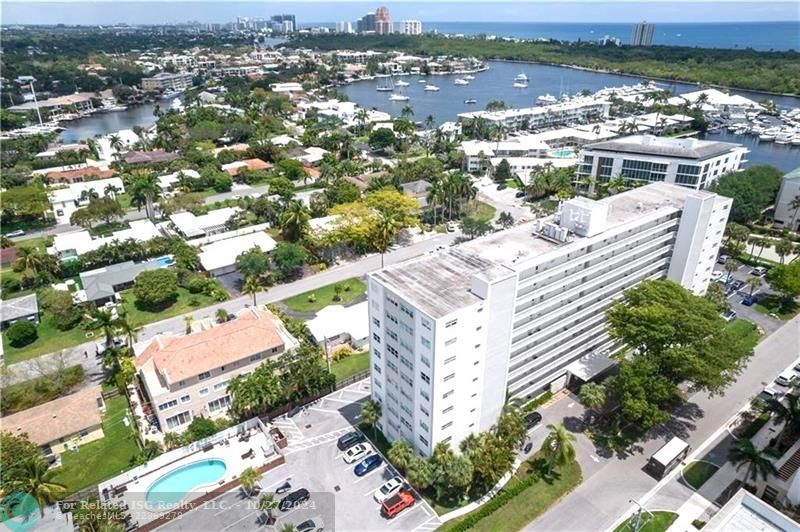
(401,83)
(385,84)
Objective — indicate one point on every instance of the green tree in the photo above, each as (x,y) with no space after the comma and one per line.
(200,428)
(787,412)
(21,333)
(17,451)
(558,447)
(144,191)
(783,248)
(251,287)
(288,258)
(716,295)
(252,263)
(381,138)
(221,315)
(291,169)
(785,279)
(60,306)
(475,227)
(420,473)
(505,220)
(256,393)
(294,221)
(370,414)
(383,235)
(593,395)
(752,190)
(156,288)
(38,483)
(731,266)
(267,503)
(746,455)
(502,172)
(249,478)
(400,455)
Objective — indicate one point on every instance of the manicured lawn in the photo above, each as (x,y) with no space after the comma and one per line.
(324,296)
(98,460)
(351,365)
(771,304)
(50,339)
(481,211)
(746,332)
(39,242)
(697,473)
(660,522)
(186,302)
(531,502)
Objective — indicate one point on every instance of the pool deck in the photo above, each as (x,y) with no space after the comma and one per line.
(235,453)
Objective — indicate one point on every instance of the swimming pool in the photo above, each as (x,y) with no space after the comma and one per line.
(171,488)
(562,153)
(166,260)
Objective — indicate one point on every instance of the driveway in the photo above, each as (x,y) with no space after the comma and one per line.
(767,323)
(503,200)
(612,481)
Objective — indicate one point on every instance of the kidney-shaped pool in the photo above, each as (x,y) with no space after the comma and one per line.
(171,488)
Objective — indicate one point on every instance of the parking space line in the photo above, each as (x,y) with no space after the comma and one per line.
(325,410)
(240,520)
(426,524)
(382,468)
(405,514)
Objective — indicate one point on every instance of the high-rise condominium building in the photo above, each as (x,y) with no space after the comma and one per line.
(344,26)
(411,27)
(642,34)
(456,333)
(285,23)
(383,21)
(366,23)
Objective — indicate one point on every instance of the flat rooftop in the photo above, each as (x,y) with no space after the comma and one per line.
(685,148)
(439,283)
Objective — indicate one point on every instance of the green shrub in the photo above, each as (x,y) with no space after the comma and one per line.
(196,285)
(312,298)
(21,333)
(10,284)
(697,523)
(539,401)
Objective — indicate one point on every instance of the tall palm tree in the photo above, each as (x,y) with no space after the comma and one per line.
(400,455)
(731,265)
(754,283)
(783,248)
(558,447)
(745,454)
(251,287)
(267,503)
(753,240)
(144,191)
(249,478)
(38,483)
(294,221)
(126,328)
(384,235)
(764,243)
(370,414)
(788,414)
(407,111)
(434,195)
(98,319)
(29,259)
(188,320)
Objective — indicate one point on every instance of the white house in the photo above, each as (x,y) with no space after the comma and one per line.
(67,200)
(219,258)
(336,325)
(190,226)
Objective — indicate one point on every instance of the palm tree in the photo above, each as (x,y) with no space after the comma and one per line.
(145,190)
(593,395)
(29,259)
(172,440)
(116,143)
(101,320)
(407,111)
(251,287)
(754,283)
(762,244)
(753,240)
(294,221)
(267,503)
(745,454)
(222,315)
(37,482)
(383,237)
(249,478)
(370,414)
(558,447)
(400,455)
(731,265)
(188,320)
(126,329)
(430,121)
(151,449)
(788,414)
(783,248)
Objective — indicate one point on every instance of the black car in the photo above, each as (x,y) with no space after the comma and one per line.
(293,499)
(349,439)
(501,186)
(532,419)
(520,194)
(738,284)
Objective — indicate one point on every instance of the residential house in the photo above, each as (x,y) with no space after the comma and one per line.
(25,308)
(219,258)
(69,246)
(67,200)
(417,190)
(336,325)
(103,284)
(190,226)
(235,167)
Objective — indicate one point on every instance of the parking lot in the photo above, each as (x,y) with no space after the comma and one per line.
(735,297)
(340,499)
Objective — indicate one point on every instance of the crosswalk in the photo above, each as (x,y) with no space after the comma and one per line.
(431,524)
(289,428)
(316,440)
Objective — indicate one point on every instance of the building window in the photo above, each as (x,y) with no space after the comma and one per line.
(203,391)
(426,324)
(376,321)
(255,357)
(425,395)
(376,353)
(424,441)
(376,337)
(451,323)
(391,334)
(643,170)
(450,377)
(179,419)
(447,425)
(186,398)
(203,376)
(604,167)
(425,377)
(425,360)
(448,409)
(218,404)
(449,359)
(377,369)
(169,404)
(451,341)
(406,328)
(425,342)
(221,385)
(448,394)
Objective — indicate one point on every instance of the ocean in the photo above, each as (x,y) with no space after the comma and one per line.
(763,36)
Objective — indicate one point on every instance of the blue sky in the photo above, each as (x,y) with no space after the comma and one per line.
(135,12)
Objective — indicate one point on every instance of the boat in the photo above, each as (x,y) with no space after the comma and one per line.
(796,141)
(461,82)
(385,84)
(169,94)
(398,98)
(401,83)
(783,138)
(766,137)
(470,100)
(421,80)
(520,84)
(431,88)
(521,77)
(469,77)
(547,98)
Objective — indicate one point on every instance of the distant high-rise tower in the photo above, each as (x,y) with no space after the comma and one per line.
(383,21)
(344,27)
(366,23)
(642,34)
(411,27)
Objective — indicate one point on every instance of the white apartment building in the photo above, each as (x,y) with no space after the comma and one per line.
(344,26)
(186,376)
(688,162)
(166,81)
(785,214)
(411,27)
(580,109)
(522,311)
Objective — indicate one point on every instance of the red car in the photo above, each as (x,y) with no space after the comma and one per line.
(397,503)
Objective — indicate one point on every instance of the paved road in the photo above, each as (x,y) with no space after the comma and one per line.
(30,368)
(503,200)
(609,484)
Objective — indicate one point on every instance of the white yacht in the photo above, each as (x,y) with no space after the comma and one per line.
(521,77)
(784,137)
(431,88)
(473,100)
(796,141)
(422,80)
(398,98)
(767,136)
(520,84)
(461,81)
(547,99)
(385,84)
(401,83)
(469,77)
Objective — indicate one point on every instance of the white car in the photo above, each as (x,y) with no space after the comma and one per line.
(388,488)
(717,275)
(357,452)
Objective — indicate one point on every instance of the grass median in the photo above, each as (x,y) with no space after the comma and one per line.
(316,300)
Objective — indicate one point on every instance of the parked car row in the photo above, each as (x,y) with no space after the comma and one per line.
(788,379)
(394,495)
